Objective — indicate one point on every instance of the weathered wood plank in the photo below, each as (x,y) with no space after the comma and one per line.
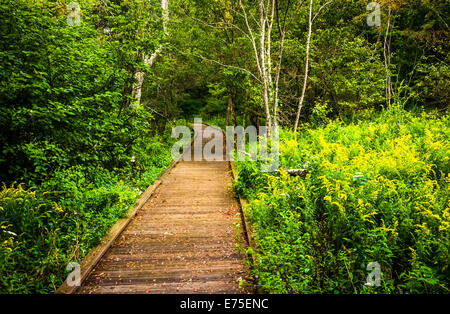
(181,241)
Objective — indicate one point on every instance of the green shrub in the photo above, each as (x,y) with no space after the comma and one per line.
(30,251)
(376,192)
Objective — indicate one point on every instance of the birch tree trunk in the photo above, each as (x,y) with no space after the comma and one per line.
(282,32)
(305,81)
(270,83)
(263,62)
(263,55)
(139,76)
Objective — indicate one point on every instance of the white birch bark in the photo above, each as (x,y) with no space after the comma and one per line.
(305,81)
(139,76)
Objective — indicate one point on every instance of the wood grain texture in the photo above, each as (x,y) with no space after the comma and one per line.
(183,240)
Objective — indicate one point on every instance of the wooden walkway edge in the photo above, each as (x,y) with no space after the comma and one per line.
(180,237)
(94,256)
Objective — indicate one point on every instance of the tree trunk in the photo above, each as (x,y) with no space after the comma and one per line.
(268,51)
(305,81)
(262,55)
(282,32)
(255,120)
(139,76)
(229,108)
(227,116)
(137,88)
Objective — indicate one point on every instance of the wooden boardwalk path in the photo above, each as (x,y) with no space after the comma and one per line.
(183,240)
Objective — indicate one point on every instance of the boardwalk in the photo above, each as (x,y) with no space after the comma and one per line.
(182,241)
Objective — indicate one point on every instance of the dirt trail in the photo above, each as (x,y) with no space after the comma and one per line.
(181,241)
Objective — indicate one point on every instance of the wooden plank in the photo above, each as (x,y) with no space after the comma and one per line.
(183,234)
(94,256)
(217,285)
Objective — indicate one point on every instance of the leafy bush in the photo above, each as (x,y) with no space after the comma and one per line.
(69,131)
(69,213)
(39,237)
(42,231)
(377,192)
(31,240)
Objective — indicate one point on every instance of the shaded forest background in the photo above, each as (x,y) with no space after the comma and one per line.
(87,110)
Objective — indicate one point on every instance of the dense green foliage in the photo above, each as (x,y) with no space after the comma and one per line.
(77,147)
(210,48)
(378,184)
(62,94)
(68,134)
(377,191)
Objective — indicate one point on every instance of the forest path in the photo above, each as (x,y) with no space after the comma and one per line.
(181,241)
